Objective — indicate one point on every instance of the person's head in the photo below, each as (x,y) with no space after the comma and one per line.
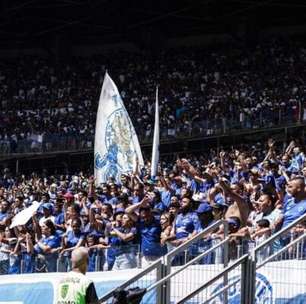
(76,225)
(146,214)
(79,259)
(285,159)
(107,210)
(58,206)
(185,204)
(263,223)
(138,190)
(174,206)
(218,211)
(18,201)
(73,211)
(254,174)
(85,217)
(4,206)
(265,203)
(91,240)
(47,209)
(48,228)
(204,212)
(118,214)
(296,186)
(126,220)
(166,219)
(233,224)
(45,197)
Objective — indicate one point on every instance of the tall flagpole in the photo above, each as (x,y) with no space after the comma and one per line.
(155,148)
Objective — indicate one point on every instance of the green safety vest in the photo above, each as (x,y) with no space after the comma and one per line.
(72,289)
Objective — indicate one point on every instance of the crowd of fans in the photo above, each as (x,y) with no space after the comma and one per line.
(257,190)
(47,106)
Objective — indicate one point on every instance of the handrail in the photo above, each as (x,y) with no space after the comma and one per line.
(156,264)
(271,257)
(214,279)
(223,289)
(276,235)
(197,237)
(203,254)
(166,257)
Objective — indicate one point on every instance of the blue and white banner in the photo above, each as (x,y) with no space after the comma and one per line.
(155,148)
(116,143)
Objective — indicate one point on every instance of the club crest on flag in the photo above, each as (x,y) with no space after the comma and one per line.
(116,143)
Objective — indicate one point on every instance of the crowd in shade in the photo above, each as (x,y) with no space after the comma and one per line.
(130,223)
(203,91)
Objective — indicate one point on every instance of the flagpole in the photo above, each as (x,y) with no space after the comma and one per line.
(155,147)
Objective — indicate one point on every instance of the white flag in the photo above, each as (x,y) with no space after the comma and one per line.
(24,216)
(155,148)
(116,143)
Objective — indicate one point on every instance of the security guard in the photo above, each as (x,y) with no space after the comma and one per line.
(75,287)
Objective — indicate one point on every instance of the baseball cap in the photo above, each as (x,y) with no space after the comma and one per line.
(119,211)
(233,221)
(48,206)
(204,207)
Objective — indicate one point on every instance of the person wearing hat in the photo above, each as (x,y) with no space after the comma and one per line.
(47,209)
(206,218)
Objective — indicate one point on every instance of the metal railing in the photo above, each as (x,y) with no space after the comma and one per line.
(146,277)
(163,267)
(44,143)
(242,272)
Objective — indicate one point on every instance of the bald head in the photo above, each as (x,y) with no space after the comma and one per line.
(79,258)
(296,187)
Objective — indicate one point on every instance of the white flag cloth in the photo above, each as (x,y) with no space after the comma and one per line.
(155,148)
(116,143)
(24,216)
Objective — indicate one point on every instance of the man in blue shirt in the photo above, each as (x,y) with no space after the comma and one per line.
(149,230)
(296,188)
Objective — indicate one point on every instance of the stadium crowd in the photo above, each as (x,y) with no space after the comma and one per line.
(47,106)
(257,190)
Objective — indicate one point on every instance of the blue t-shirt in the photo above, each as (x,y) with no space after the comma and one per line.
(53,241)
(150,238)
(294,213)
(185,224)
(73,238)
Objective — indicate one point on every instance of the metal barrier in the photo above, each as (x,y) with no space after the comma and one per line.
(283,245)
(164,266)
(143,280)
(217,287)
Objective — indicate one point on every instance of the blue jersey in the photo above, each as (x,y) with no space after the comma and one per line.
(294,213)
(186,224)
(150,238)
(53,241)
(73,238)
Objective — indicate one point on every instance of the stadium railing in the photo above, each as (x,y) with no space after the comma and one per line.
(77,142)
(169,270)
(282,246)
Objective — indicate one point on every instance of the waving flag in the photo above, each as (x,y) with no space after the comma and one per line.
(116,143)
(155,148)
